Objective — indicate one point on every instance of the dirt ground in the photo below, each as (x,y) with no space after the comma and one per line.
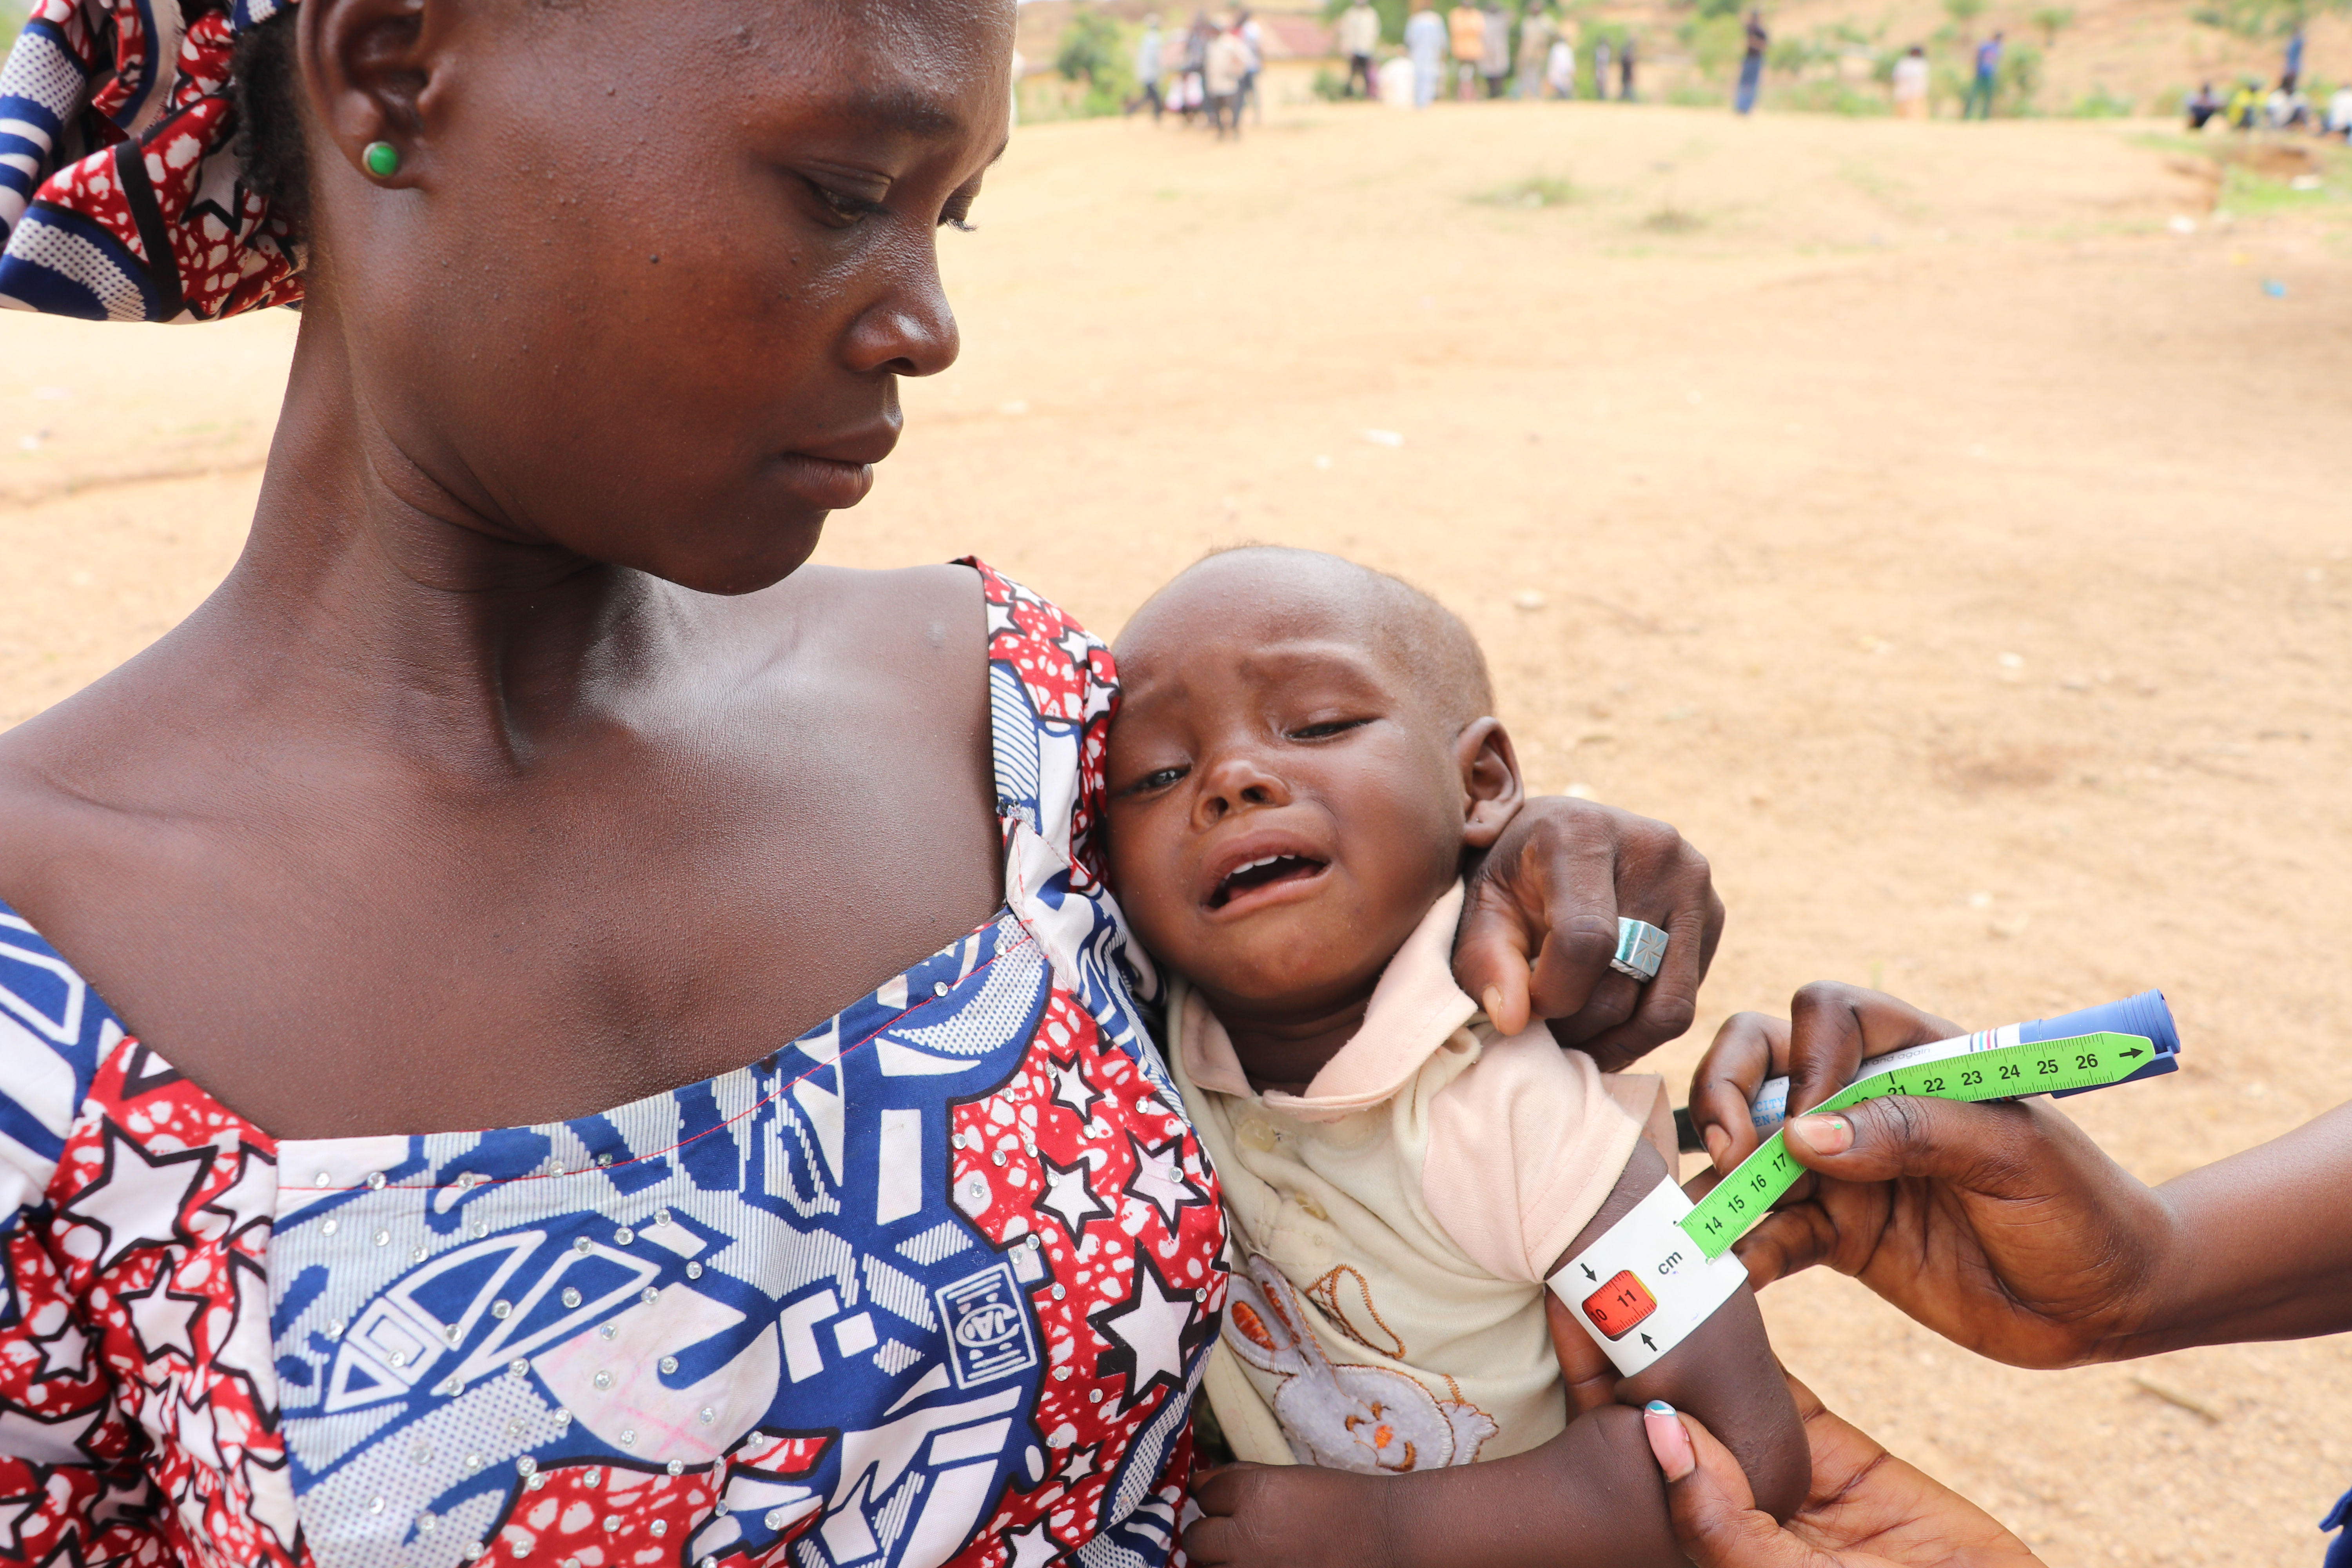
(1953,549)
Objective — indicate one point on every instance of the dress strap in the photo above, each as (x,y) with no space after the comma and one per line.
(55,1032)
(1052,689)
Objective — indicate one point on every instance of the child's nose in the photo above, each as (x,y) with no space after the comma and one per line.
(1236,782)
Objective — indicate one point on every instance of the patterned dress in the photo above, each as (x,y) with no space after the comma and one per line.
(931,1283)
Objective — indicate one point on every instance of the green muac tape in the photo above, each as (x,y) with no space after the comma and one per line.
(2043,1067)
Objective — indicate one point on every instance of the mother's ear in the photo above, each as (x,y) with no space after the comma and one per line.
(1490,781)
(372,66)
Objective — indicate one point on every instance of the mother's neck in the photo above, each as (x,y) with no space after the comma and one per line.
(371,594)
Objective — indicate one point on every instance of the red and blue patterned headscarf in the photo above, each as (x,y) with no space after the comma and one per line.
(121,194)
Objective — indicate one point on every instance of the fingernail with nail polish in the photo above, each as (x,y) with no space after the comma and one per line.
(1669,1441)
(1830,1134)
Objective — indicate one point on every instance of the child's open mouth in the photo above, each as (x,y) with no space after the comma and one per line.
(1263,872)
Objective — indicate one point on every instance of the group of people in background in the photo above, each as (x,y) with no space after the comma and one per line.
(1216,73)
(2285,107)
(1487,59)
(1217,63)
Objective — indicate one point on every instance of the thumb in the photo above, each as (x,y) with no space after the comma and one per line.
(1716,1522)
(1490,958)
(1989,1149)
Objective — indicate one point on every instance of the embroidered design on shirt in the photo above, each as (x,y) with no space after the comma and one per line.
(1369,1419)
(1326,1294)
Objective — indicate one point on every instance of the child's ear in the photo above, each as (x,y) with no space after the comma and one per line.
(1490,781)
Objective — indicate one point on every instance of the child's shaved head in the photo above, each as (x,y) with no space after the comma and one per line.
(1409,627)
(1303,754)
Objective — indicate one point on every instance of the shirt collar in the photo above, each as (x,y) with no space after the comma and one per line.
(1415,1008)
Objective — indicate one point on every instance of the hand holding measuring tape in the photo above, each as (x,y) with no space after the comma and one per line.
(1661,1270)
(2007,1230)
(1927,1201)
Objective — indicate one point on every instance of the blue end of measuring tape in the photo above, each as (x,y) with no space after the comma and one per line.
(2144,1014)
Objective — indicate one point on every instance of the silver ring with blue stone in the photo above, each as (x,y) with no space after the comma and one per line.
(1641,948)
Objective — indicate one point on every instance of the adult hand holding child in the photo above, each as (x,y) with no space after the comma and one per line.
(1866,1509)
(1561,867)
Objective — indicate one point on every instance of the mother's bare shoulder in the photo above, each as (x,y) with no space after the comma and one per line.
(52,830)
(920,631)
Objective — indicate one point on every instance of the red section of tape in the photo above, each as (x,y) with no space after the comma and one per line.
(1620,1304)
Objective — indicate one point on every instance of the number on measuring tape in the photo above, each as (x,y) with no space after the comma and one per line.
(1619,1305)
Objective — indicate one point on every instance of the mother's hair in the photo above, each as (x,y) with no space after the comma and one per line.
(267,87)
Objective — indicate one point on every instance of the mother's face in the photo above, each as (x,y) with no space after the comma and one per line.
(649,271)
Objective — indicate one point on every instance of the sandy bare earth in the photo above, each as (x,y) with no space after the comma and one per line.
(1955,552)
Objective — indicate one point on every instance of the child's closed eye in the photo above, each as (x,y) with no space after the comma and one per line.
(1156,779)
(1324,729)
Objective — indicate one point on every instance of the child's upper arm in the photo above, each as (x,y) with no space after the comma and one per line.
(1723,1372)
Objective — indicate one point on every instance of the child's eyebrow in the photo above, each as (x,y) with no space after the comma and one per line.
(1289,660)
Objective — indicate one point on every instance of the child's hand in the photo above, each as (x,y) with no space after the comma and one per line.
(1289,1516)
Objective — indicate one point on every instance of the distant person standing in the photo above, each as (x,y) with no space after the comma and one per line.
(2202,106)
(1253,37)
(1751,63)
(1494,48)
(1359,40)
(1538,29)
(1424,44)
(2292,71)
(1192,87)
(1227,67)
(1911,84)
(1981,87)
(1147,69)
(1559,67)
(1625,58)
(1602,55)
(1466,28)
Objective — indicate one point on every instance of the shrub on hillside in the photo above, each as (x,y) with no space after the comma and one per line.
(1093,51)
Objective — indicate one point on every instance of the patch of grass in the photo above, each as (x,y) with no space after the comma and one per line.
(2248,193)
(1831,96)
(2196,146)
(2101,104)
(1672,219)
(1534,191)
(1887,192)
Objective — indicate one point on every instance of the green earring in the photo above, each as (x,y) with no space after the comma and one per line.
(382,160)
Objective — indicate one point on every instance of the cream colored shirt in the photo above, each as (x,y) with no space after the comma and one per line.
(1393,1225)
